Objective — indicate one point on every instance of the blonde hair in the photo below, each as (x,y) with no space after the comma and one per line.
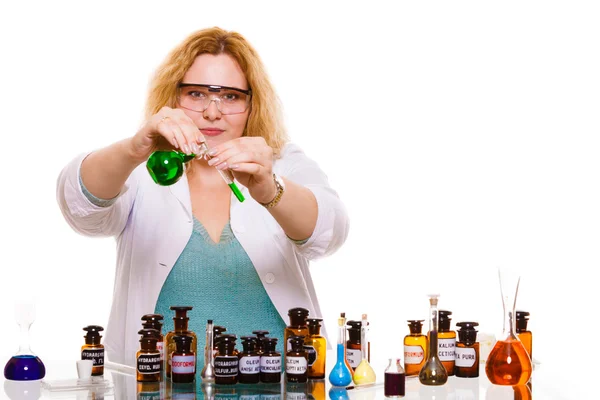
(265,118)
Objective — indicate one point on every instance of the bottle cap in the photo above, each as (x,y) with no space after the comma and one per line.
(467,333)
(297,342)
(521,322)
(415,325)
(444,320)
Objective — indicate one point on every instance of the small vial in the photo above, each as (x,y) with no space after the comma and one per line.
(226,361)
(148,363)
(415,348)
(524,335)
(183,360)
(446,342)
(467,351)
(249,364)
(297,326)
(394,379)
(154,321)
(93,349)
(296,361)
(270,362)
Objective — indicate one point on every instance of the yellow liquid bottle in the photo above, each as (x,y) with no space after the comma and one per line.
(364,373)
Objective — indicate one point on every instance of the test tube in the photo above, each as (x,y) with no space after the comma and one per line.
(226,175)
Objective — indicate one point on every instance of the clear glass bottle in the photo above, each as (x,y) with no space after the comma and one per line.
(433,372)
(446,341)
(467,351)
(415,348)
(340,373)
(24,365)
(364,373)
(394,379)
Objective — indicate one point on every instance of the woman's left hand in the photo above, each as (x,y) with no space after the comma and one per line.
(250,159)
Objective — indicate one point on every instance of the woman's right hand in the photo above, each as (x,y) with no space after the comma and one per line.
(169,128)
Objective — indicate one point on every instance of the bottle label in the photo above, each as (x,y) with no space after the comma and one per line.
(226,366)
(465,357)
(250,365)
(160,346)
(148,363)
(270,364)
(446,349)
(296,396)
(296,365)
(312,354)
(183,364)
(249,397)
(354,357)
(96,355)
(413,355)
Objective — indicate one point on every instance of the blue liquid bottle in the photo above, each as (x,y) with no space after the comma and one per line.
(340,374)
(24,366)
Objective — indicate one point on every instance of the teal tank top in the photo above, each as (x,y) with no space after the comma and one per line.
(220,282)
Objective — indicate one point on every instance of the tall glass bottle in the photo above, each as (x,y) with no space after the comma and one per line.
(180,322)
(340,373)
(415,348)
(524,335)
(208,371)
(508,362)
(433,372)
(446,341)
(364,373)
(316,348)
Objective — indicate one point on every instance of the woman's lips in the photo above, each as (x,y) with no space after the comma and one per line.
(211,131)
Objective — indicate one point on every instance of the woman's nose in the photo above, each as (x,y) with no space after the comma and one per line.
(212,111)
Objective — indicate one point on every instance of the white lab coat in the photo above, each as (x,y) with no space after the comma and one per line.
(152,225)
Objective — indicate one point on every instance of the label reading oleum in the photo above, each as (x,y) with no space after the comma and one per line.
(96,355)
(465,357)
(250,365)
(183,364)
(413,355)
(295,365)
(270,364)
(354,357)
(446,349)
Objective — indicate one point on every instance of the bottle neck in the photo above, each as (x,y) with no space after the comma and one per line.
(180,324)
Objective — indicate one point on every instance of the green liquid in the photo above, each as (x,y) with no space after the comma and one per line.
(236,191)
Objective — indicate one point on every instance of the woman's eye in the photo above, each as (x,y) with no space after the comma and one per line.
(196,94)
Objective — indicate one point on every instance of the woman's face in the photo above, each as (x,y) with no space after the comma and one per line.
(220,70)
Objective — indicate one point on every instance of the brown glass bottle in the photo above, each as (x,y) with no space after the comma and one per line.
(354,345)
(93,349)
(315,346)
(523,334)
(183,360)
(249,364)
(296,361)
(259,337)
(270,362)
(217,331)
(180,322)
(226,361)
(148,363)
(446,342)
(297,326)
(467,351)
(154,321)
(415,348)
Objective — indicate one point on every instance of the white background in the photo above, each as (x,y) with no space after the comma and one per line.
(461,137)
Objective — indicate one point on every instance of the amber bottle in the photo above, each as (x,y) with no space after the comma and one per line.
(180,322)
(148,363)
(446,342)
(270,362)
(296,361)
(154,321)
(93,349)
(249,365)
(217,331)
(226,361)
(467,351)
(415,348)
(183,360)
(297,326)
(316,349)
(523,334)
(259,337)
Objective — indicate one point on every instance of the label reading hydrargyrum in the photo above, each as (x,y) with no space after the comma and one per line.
(354,357)
(446,349)
(226,366)
(413,355)
(148,363)
(295,365)
(183,364)
(270,364)
(96,355)
(465,357)
(311,353)
(250,365)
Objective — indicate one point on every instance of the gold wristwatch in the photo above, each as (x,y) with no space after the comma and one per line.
(280,189)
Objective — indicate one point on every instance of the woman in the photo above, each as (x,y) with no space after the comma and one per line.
(244,265)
